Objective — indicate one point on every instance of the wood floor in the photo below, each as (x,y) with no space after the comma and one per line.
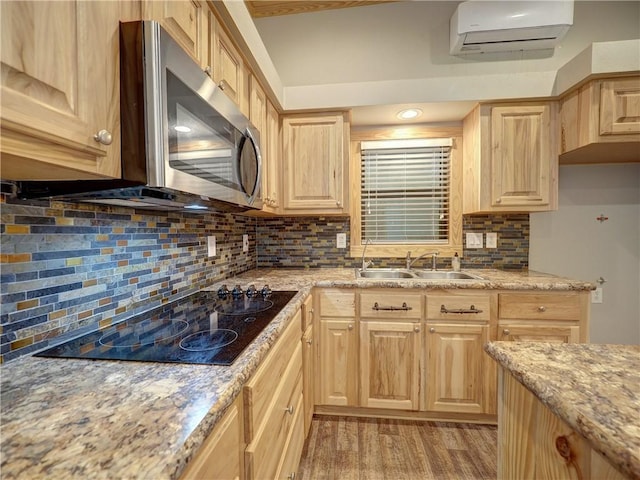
(349,448)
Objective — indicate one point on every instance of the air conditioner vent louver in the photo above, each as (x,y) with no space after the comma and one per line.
(497,26)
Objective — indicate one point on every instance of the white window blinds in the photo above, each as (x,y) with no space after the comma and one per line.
(405,190)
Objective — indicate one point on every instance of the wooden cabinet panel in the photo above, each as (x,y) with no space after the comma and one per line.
(257,106)
(538,333)
(308,369)
(510,158)
(459,377)
(337,303)
(391,305)
(271,161)
(60,87)
(390,365)
(229,71)
(315,172)
(185,21)
(307,313)
(260,389)
(540,306)
(338,363)
(220,457)
(620,106)
(451,307)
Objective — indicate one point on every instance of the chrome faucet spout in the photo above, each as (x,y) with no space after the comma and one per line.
(434,260)
(366,263)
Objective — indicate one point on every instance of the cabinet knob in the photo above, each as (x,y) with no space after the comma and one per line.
(311,311)
(309,342)
(506,331)
(291,476)
(350,326)
(221,86)
(498,200)
(103,137)
(416,329)
(432,330)
(289,409)
(207,70)
(542,308)
(338,202)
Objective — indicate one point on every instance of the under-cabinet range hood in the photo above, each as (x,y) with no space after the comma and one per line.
(184,143)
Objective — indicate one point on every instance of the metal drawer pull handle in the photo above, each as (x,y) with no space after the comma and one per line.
(403,307)
(291,476)
(289,409)
(471,309)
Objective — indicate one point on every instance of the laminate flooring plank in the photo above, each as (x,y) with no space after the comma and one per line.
(350,448)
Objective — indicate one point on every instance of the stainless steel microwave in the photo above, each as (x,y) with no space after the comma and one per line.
(185,144)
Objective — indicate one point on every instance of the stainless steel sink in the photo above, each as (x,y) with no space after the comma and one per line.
(436,275)
(383,273)
(398,273)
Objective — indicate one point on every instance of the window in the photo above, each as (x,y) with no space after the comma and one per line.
(404,191)
(406,195)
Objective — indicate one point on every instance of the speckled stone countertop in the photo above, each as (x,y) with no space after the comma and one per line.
(594,388)
(70,418)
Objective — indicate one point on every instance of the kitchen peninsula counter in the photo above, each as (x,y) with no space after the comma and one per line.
(71,418)
(593,388)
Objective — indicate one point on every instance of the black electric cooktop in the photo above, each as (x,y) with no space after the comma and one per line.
(210,328)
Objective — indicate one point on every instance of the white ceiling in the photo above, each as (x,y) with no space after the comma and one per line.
(379,58)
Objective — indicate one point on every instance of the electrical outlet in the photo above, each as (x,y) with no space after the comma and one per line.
(341,240)
(211,246)
(245,243)
(596,295)
(491,240)
(474,240)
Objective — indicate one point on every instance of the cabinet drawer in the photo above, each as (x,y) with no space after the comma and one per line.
(541,306)
(264,454)
(288,467)
(392,306)
(261,388)
(458,307)
(337,303)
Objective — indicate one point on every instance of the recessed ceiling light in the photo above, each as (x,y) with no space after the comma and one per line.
(195,206)
(409,114)
(182,129)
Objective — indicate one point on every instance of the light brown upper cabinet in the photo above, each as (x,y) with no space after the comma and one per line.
(271,161)
(510,158)
(315,163)
(185,21)
(60,89)
(226,66)
(600,122)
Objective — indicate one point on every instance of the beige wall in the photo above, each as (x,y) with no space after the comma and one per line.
(573,243)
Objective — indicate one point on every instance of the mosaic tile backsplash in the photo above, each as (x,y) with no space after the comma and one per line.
(66,268)
(294,242)
(70,266)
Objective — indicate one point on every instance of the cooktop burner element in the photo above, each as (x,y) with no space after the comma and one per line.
(211,328)
(208,340)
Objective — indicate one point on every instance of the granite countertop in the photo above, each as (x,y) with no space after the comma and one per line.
(594,388)
(71,418)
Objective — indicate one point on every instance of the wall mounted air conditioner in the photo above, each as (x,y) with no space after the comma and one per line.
(480,26)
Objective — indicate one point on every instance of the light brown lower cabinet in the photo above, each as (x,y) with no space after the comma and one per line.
(459,375)
(338,363)
(534,443)
(221,455)
(308,377)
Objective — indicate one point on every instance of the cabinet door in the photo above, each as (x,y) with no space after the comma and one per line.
(521,156)
(338,363)
(620,106)
(314,171)
(539,333)
(60,88)
(271,161)
(185,21)
(220,456)
(390,365)
(308,369)
(458,373)
(228,66)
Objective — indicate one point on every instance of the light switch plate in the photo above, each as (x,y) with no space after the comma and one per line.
(596,295)
(341,240)
(211,246)
(245,243)
(474,240)
(491,240)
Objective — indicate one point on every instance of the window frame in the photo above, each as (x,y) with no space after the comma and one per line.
(455,194)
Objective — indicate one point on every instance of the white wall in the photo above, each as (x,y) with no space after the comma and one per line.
(571,242)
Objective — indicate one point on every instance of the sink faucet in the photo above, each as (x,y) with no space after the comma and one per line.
(366,263)
(434,259)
